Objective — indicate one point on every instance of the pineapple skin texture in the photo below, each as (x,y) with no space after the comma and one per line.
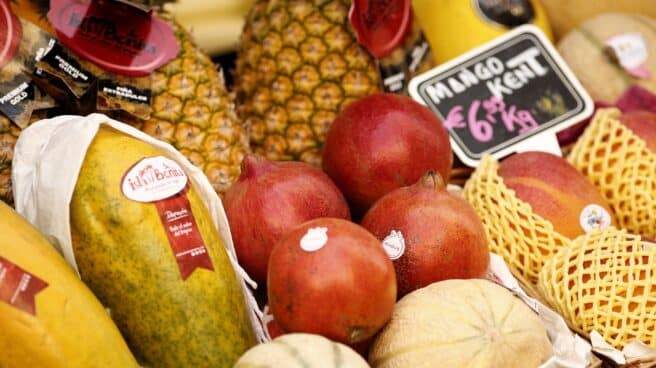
(299,65)
(8,135)
(192,110)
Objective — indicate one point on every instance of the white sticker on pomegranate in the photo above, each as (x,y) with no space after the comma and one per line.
(153,179)
(594,217)
(394,244)
(314,239)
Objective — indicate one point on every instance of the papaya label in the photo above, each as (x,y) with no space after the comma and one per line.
(10,33)
(161,181)
(18,287)
(115,36)
(183,234)
(153,179)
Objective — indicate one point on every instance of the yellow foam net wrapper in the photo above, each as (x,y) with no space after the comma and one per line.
(524,239)
(619,163)
(605,281)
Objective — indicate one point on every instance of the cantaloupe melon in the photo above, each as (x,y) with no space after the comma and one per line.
(301,350)
(565,15)
(66,326)
(584,51)
(461,323)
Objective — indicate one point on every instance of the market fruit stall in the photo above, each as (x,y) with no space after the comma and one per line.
(334,183)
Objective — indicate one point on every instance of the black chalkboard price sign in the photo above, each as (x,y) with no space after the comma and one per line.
(512,94)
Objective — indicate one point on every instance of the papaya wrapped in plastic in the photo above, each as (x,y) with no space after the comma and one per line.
(146,231)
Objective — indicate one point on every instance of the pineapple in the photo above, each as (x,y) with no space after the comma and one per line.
(298,65)
(191,107)
(192,111)
(8,136)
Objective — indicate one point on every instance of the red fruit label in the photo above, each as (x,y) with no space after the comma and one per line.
(19,287)
(380,25)
(115,36)
(184,236)
(162,181)
(10,33)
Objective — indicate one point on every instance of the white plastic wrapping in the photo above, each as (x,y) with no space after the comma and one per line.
(635,350)
(570,350)
(47,160)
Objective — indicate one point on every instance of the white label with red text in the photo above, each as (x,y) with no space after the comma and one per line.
(153,179)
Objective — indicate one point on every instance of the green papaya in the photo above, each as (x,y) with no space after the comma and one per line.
(48,317)
(178,303)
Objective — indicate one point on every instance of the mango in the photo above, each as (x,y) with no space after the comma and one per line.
(557,192)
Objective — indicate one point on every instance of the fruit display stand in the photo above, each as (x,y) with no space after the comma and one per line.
(209,147)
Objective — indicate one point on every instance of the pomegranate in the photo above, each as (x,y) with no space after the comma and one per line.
(333,278)
(270,198)
(431,234)
(382,142)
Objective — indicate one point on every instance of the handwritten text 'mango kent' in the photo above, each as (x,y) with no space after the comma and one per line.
(499,78)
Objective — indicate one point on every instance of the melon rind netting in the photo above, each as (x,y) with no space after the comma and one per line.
(621,166)
(605,281)
(524,239)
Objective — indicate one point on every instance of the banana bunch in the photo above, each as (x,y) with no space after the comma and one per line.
(215,25)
